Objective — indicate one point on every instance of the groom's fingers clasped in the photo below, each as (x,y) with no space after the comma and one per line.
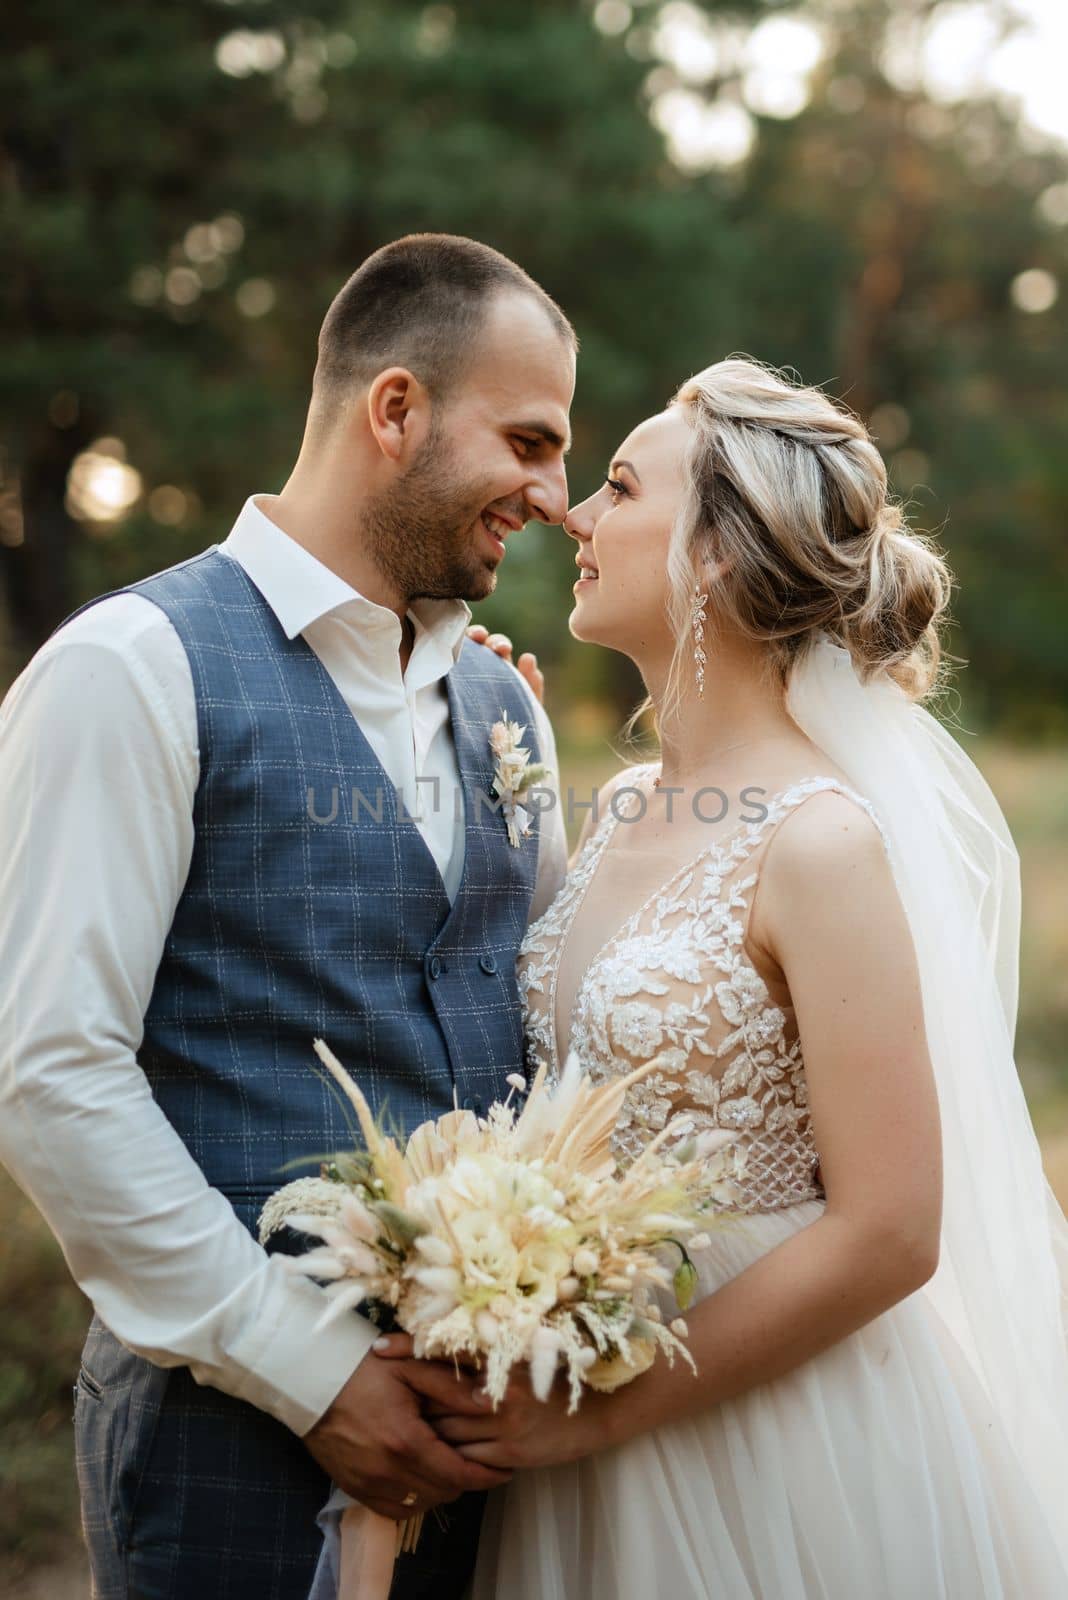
(375,1442)
(440,1386)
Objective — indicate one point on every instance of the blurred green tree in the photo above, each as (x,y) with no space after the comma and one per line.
(182,190)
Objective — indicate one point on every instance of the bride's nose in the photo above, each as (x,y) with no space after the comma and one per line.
(579,521)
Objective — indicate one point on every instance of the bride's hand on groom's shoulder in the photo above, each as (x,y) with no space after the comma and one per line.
(524,1431)
(377,1444)
(501,645)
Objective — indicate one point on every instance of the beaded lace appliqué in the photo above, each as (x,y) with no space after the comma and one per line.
(674,980)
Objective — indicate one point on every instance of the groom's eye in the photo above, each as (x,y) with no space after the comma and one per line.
(525,445)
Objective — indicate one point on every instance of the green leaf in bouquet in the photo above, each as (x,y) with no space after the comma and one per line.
(685,1283)
(401,1223)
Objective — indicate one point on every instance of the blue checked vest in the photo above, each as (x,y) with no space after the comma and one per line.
(313,908)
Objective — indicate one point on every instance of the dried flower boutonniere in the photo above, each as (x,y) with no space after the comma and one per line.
(513,776)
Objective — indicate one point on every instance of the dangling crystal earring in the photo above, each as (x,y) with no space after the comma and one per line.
(697,619)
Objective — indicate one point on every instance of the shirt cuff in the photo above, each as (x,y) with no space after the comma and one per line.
(292,1371)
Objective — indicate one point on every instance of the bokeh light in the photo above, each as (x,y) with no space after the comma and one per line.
(168,505)
(964,49)
(889,425)
(241,53)
(182,286)
(102,486)
(702,134)
(1053,205)
(255,297)
(612,16)
(764,71)
(1035,290)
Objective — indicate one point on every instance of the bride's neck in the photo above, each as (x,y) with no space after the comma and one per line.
(742,706)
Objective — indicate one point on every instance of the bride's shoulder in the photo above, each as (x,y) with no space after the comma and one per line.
(828,903)
(639,777)
(829,844)
(826,824)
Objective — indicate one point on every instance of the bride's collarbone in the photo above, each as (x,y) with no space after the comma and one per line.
(682,820)
(673,843)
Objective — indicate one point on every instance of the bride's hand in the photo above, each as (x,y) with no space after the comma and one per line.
(524,1431)
(501,645)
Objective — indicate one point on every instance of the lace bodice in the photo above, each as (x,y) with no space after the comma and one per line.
(674,979)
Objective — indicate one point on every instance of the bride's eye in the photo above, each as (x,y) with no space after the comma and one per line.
(616,487)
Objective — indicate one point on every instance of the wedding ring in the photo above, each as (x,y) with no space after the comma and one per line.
(410,1498)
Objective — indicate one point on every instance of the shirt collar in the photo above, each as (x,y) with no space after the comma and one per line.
(299,589)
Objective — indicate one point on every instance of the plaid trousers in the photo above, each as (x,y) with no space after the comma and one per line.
(189,1494)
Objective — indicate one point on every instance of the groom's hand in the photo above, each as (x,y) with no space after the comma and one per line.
(501,645)
(375,1442)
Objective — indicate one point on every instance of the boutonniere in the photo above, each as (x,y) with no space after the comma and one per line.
(513,776)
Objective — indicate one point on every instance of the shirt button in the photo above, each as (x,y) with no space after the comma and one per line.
(435,967)
(488,964)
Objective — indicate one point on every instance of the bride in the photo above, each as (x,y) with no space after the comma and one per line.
(809,907)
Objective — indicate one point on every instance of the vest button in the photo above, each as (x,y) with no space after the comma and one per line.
(488,964)
(435,967)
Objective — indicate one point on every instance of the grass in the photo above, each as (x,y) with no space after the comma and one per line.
(45,1315)
(41,1335)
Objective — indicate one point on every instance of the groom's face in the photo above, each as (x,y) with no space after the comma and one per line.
(492,461)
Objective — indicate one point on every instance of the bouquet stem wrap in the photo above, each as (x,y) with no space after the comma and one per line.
(370,1545)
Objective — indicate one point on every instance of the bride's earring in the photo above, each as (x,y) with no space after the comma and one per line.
(697,620)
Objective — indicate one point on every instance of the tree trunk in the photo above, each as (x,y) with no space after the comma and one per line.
(36,573)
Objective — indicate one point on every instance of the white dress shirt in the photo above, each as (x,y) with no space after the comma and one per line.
(100,765)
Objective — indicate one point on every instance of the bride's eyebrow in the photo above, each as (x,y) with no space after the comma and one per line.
(625,466)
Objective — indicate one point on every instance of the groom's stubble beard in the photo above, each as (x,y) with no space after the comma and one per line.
(420,533)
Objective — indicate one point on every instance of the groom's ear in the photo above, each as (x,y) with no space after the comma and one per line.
(398,412)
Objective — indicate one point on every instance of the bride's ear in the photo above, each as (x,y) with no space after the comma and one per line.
(712,571)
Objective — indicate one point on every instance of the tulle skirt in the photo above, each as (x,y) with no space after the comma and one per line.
(874,1472)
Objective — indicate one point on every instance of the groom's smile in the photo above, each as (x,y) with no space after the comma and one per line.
(499,527)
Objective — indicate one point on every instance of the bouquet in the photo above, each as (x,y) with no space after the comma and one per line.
(514,1238)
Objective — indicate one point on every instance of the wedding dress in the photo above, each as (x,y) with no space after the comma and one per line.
(880,1470)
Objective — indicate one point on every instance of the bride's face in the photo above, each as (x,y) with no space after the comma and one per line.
(622,533)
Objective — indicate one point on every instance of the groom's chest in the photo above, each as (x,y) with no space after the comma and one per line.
(405,721)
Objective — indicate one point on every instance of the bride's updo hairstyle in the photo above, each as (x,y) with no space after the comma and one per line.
(787,492)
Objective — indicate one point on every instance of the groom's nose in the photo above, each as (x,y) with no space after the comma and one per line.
(547,493)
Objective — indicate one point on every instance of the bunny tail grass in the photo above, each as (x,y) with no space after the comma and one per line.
(353,1093)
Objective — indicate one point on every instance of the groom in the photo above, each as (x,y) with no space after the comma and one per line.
(245,805)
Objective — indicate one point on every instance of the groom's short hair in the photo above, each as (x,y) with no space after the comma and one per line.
(419,303)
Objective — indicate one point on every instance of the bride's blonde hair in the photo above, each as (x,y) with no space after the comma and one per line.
(786,491)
